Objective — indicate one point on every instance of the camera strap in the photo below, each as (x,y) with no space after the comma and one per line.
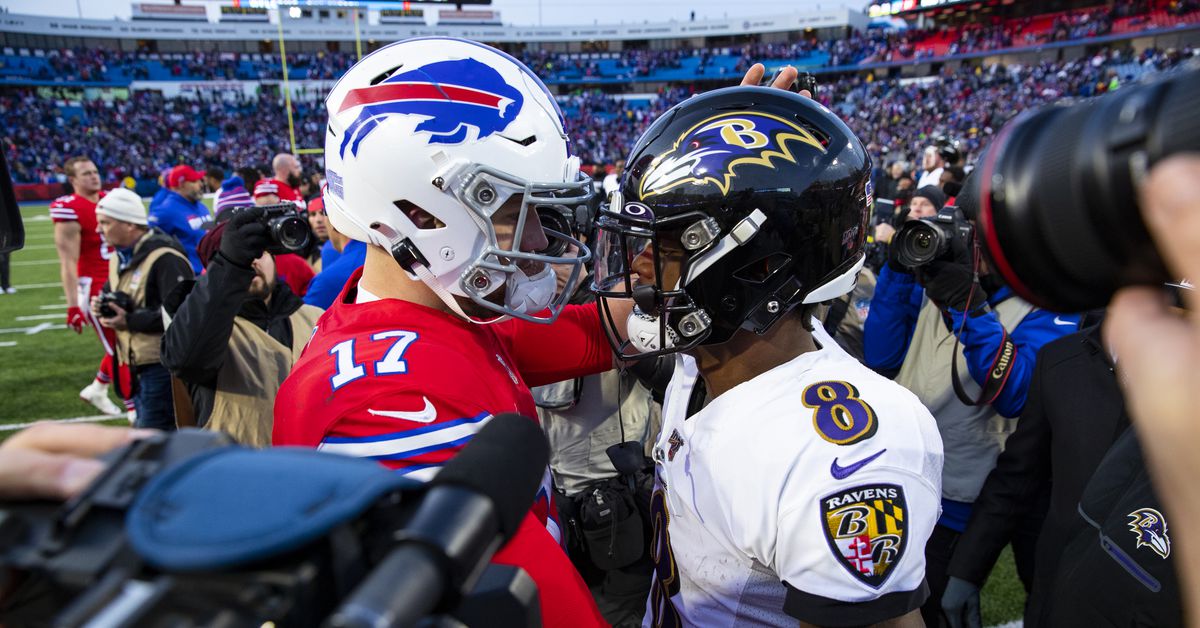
(997,375)
(1002,361)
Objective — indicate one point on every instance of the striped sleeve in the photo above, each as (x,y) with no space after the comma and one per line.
(61,211)
(233,198)
(408,433)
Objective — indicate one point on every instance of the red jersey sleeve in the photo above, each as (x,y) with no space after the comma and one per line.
(572,346)
(63,209)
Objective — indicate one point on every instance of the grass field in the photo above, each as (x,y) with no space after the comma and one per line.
(43,365)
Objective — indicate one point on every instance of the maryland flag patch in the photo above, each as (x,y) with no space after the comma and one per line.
(865,527)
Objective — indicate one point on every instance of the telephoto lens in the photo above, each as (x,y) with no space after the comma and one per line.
(1060,217)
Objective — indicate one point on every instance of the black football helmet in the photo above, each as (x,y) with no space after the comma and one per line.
(759,198)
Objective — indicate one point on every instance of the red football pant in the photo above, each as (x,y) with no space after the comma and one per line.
(88,288)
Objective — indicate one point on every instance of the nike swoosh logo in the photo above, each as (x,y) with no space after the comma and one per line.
(1059,321)
(840,473)
(426,415)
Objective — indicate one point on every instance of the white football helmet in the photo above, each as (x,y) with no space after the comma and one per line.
(454,128)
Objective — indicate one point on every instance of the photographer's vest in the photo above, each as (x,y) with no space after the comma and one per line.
(137,349)
(254,369)
(972,436)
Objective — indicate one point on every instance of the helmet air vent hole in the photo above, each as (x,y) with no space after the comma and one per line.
(762,270)
(382,76)
(421,218)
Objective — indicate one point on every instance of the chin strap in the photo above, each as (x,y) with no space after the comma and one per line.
(412,262)
(428,278)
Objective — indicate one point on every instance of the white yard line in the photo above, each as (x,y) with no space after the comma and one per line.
(36,286)
(53,306)
(29,331)
(8,344)
(79,419)
(39,317)
(40,262)
(38,247)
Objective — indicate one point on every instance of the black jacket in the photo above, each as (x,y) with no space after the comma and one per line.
(1074,413)
(1117,568)
(197,341)
(166,273)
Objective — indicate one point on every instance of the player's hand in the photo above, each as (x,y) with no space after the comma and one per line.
(245,238)
(75,319)
(785,79)
(117,321)
(960,603)
(57,461)
(1158,351)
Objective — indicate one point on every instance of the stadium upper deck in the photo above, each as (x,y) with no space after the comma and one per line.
(36,50)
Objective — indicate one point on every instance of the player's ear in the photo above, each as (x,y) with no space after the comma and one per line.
(421,218)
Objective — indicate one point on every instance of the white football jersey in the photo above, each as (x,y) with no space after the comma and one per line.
(805,493)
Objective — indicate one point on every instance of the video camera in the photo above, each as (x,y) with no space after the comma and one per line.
(189,530)
(109,298)
(919,242)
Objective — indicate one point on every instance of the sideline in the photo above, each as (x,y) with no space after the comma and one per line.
(12,427)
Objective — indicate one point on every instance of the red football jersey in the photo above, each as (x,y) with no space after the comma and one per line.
(286,192)
(409,386)
(93,250)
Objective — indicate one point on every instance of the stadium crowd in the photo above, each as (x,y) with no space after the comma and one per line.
(127,137)
(873,46)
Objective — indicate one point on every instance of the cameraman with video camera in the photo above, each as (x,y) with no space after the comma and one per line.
(147,266)
(236,331)
(935,294)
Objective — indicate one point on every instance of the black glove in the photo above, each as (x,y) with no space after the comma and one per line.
(950,284)
(245,237)
(960,603)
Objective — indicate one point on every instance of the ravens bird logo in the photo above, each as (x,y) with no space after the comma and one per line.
(1151,529)
(711,151)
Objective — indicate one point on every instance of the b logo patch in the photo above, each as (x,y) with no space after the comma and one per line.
(866,527)
(711,152)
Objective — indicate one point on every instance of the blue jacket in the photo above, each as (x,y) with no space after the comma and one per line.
(158,197)
(183,219)
(897,303)
(325,287)
(329,254)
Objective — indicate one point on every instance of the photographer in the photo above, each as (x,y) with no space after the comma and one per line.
(918,318)
(237,332)
(1159,356)
(147,266)
(606,510)
(1074,442)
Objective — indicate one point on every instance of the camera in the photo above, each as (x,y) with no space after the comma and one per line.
(919,242)
(288,231)
(187,530)
(108,298)
(1060,217)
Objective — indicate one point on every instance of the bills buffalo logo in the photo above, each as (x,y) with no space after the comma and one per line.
(454,98)
(1151,529)
(866,527)
(711,152)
